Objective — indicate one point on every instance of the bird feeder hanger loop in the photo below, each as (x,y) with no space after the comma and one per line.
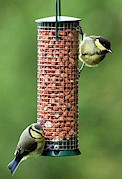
(57,92)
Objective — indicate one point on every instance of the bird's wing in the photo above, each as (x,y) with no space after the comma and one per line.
(26,149)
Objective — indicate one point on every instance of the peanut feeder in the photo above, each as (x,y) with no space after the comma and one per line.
(57,91)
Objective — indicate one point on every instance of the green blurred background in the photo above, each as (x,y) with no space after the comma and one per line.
(100,89)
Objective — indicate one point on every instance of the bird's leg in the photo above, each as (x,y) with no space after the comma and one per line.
(79,29)
(81,69)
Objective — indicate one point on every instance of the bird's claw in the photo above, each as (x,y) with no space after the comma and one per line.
(79,29)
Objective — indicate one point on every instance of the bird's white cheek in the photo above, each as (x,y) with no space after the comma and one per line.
(99,45)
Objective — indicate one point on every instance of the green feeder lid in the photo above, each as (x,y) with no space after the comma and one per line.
(60,19)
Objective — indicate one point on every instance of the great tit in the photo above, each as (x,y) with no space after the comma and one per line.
(31,142)
(92,49)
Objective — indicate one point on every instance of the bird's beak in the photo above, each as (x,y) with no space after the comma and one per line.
(109,50)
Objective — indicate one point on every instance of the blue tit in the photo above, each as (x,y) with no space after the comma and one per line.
(31,142)
(93,49)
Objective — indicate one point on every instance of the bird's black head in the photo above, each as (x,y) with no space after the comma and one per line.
(105,43)
(37,126)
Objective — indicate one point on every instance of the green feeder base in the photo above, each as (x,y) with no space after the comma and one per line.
(58,153)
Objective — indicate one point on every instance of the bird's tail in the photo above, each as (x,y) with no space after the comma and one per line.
(13,165)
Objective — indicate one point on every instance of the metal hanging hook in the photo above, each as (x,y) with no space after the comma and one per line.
(58,14)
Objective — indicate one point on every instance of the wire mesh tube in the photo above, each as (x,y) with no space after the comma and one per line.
(57,92)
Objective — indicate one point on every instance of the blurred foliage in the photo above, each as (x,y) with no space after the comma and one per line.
(100,96)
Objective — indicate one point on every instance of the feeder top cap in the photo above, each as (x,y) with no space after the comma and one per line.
(60,19)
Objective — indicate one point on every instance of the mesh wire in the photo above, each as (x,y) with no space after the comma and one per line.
(57,92)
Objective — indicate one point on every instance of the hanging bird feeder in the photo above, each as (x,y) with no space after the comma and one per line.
(57,92)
